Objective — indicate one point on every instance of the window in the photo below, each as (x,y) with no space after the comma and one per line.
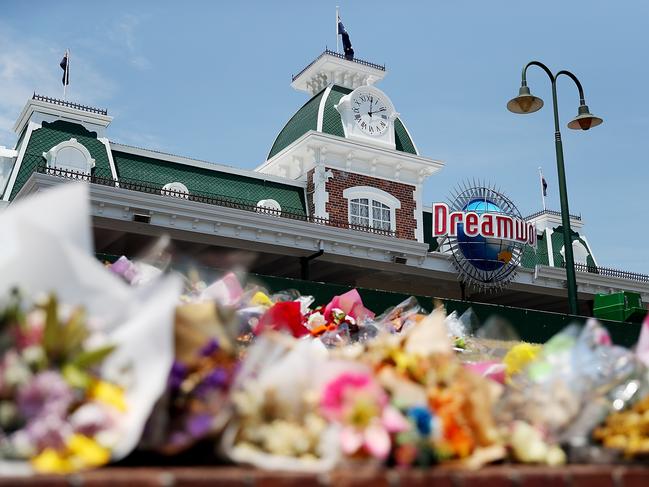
(70,155)
(372,207)
(269,206)
(359,212)
(379,217)
(175,189)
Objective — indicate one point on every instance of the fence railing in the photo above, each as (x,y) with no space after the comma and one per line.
(551,212)
(608,272)
(380,67)
(211,199)
(69,104)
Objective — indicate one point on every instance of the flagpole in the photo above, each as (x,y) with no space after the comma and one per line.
(542,190)
(337,20)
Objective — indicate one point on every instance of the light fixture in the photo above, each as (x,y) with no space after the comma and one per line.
(584,119)
(525,102)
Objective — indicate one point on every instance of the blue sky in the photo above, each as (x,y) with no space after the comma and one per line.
(210,80)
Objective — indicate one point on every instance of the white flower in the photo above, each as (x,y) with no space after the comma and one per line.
(316,319)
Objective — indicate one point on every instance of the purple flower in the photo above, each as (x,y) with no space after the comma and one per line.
(199,425)
(46,394)
(217,379)
(46,431)
(124,268)
(177,375)
(211,347)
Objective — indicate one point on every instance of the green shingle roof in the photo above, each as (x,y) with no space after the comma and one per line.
(557,245)
(211,182)
(306,118)
(51,134)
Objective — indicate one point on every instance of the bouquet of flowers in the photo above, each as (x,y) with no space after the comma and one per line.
(82,367)
(57,410)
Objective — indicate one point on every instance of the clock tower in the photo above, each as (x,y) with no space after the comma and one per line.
(348,142)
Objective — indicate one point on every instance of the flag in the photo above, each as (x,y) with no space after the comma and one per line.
(545,186)
(347,44)
(65,66)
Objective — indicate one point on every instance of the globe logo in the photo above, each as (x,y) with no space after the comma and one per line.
(483,262)
(486,254)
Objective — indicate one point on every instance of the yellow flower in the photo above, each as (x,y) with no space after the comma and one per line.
(108,393)
(260,299)
(51,461)
(404,361)
(519,356)
(86,452)
(81,452)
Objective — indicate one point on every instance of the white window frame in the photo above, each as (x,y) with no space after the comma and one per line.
(177,188)
(372,194)
(270,207)
(52,156)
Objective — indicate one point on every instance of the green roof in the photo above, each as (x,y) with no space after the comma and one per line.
(51,134)
(306,118)
(215,183)
(531,259)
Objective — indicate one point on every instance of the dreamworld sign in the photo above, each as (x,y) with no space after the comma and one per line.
(488,225)
(486,234)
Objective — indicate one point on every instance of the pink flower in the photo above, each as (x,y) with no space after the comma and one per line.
(361,406)
(31,332)
(351,303)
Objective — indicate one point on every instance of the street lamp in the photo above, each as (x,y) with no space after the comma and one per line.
(525,102)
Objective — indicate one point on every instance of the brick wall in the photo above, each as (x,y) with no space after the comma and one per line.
(338,206)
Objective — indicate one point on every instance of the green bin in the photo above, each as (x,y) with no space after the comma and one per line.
(622,306)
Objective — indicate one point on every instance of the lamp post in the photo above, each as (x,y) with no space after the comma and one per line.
(525,102)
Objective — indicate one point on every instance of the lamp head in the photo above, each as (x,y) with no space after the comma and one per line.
(525,102)
(584,119)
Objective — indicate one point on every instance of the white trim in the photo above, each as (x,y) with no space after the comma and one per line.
(321,107)
(327,69)
(548,234)
(63,113)
(19,160)
(52,155)
(418,213)
(368,159)
(372,193)
(590,249)
(111,162)
(162,156)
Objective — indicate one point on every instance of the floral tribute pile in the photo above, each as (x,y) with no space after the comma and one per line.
(98,360)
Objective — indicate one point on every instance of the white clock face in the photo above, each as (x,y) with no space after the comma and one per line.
(370,113)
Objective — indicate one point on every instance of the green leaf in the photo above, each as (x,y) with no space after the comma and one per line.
(92,357)
(76,377)
(74,332)
(52,333)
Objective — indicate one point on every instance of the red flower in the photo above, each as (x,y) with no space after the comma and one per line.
(285,315)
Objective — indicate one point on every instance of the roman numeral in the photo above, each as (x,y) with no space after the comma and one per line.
(357,117)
